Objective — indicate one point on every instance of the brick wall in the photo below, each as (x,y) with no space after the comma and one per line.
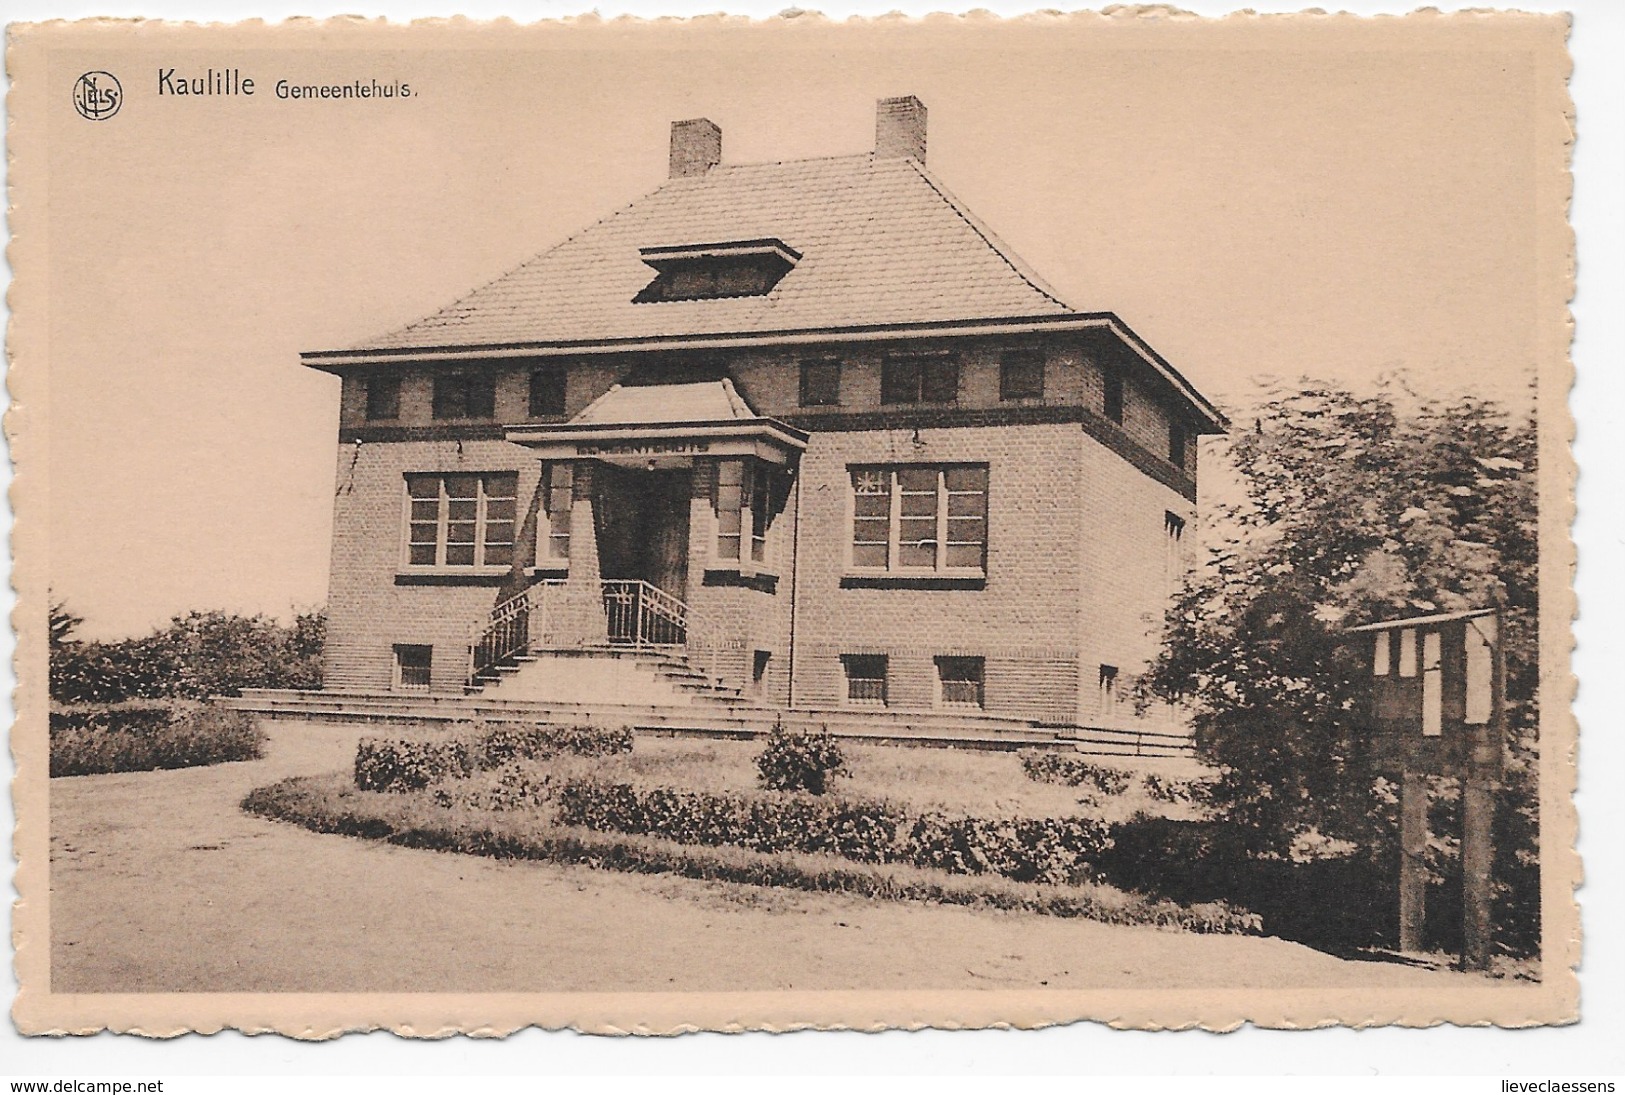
(368,611)
(1024,621)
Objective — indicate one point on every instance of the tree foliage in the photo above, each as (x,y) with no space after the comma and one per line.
(1353,508)
(197,655)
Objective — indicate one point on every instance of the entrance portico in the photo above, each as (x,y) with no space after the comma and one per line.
(651,493)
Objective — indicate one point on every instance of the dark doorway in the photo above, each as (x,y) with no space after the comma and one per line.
(642,519)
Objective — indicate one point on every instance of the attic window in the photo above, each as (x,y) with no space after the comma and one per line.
(712,271)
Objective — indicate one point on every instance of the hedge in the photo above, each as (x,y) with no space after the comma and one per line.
(140,737)
(1050,767)
(327,805)
(1059,850)
(404,764)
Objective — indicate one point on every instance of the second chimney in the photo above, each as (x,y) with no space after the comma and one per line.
(696,147)
(900,127)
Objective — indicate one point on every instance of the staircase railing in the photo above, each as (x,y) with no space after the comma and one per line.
(645,616)
(637,615)
(507,632)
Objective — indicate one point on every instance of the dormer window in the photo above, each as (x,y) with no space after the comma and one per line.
(714,271)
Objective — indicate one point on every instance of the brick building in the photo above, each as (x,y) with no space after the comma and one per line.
(807,427)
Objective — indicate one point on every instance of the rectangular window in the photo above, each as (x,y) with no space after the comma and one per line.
(919,380)
(546,393)
(744,505)
(1021,375)
(383,398)
(865,679)
(820,383)
(462,519)
(413,667)
(1114,396)
(959,681)
(558,483)
(1173,527)
(1380,656)
(464,396)
(758,667)
(920,519)
(1176,444)
(1108,691)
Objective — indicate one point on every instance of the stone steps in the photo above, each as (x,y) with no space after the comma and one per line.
(735,720)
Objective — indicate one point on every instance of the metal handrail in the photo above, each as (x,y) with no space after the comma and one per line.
(507,631)
(638,614)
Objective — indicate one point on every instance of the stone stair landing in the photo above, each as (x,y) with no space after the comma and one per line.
(606,675)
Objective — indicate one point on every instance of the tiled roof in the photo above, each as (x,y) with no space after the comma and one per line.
(881,243)
(701,401)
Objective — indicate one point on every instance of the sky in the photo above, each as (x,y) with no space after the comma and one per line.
(1333,208)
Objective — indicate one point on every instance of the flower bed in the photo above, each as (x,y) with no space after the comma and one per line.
(1025,849)
(331,805)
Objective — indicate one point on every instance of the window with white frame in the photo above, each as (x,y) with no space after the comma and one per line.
(558,495)
(865,679)
(959,681)
(919,519)
(746,501)
(460,519)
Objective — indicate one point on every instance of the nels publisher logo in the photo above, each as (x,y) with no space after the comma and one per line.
(97,95)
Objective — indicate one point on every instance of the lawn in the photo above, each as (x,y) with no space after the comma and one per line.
(981,782)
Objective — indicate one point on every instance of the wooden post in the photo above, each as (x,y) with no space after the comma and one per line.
(1478,811)
(1413,842)
(1477,852)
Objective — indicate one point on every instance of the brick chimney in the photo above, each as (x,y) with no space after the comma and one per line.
(900,127)
(696,147)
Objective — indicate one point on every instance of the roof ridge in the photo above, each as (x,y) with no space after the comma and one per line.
(989,237)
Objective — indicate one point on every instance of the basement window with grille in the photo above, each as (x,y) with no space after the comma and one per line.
(865,679)
(714,271)
(413,667)
(959,681)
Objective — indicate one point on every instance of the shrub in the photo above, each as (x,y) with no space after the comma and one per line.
(198,655)
(1176,791)
(325,805)
(383,764)
(507,742)
(512,787)
(138,737)
(1022,849)
(800,761)
(1051,767)
(398,765)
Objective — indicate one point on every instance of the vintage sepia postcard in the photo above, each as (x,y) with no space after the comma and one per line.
(726,524)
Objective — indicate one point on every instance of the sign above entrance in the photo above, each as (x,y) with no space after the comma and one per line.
(762,438)
(643,448)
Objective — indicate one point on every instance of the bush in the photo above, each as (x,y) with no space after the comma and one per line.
(1071,771)
(505,743)
(325,805)
(1021,849)
(798,761)
(1177,791)
(384,764)
(400,765)
(137,737)
(198,655)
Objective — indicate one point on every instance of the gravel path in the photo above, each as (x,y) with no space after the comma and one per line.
(161,884)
